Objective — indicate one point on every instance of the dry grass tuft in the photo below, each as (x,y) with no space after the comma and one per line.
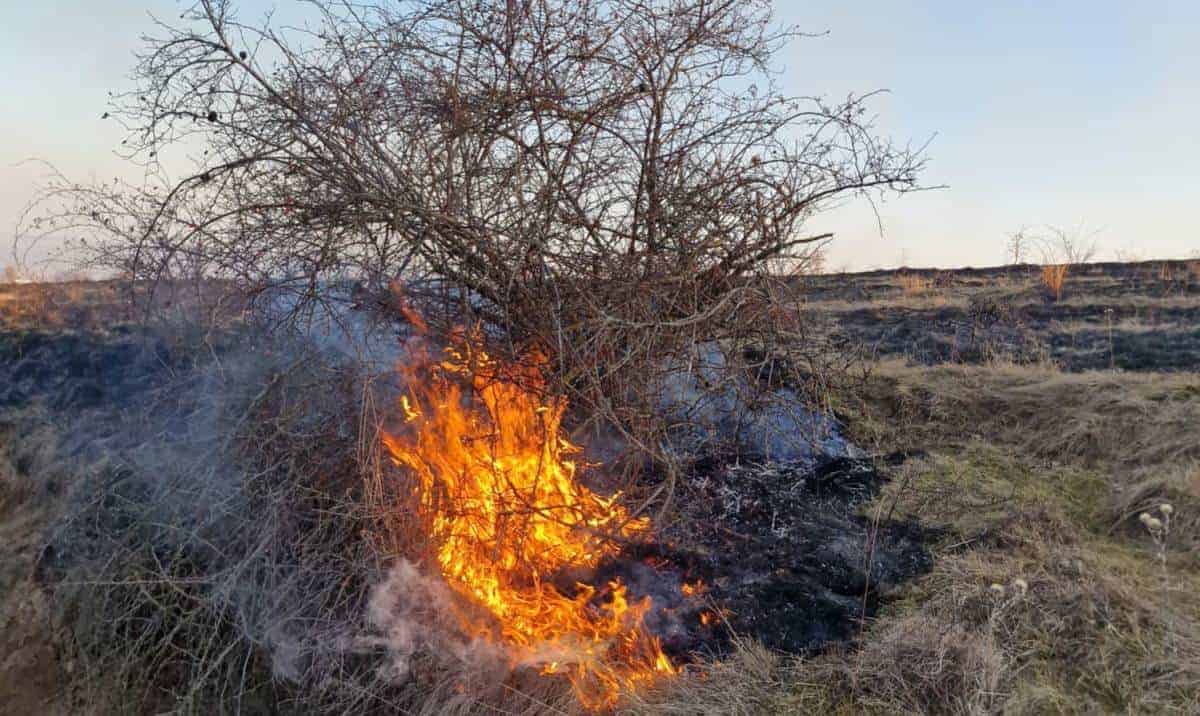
(914,284)
(922,664)
(751,680)
(1054,276)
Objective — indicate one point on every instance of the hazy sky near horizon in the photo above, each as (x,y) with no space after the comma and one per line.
(1072,113)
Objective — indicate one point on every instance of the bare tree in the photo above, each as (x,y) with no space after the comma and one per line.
(603,179)
(1071,247)
(1016,251)
(1062,251)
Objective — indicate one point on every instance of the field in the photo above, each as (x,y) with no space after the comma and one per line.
(1018,534)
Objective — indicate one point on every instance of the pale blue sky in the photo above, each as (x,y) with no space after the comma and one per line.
(1063,113)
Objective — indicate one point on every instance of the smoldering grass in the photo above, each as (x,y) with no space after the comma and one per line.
(209,550)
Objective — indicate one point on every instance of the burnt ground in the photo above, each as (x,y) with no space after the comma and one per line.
(1142,317)
(780,552)
(75,371)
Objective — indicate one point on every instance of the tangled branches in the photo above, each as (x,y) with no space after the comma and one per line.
(607,180)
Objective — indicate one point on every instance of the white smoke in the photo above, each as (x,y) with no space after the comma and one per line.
(711,403)
(414,616)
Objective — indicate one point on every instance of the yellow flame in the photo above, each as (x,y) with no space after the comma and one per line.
(507,515)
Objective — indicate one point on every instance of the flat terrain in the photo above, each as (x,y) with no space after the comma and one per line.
(1142,317)
(1040,441)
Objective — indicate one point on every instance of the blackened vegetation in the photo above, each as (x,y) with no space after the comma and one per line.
(780,552)
(77,371)
(1133,317)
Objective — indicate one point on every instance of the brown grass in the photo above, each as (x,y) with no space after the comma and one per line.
(1112,421)
(1054,276)
(1033,475)
(1176,486)
(914,284)
(92,305)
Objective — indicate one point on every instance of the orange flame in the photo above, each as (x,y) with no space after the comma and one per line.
(507,516)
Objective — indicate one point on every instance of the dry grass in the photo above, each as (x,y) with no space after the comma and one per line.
(1178,486)
(1027,610)
(1031,626)
(224,569)
(1040,476)
(914,284)
(180,567)
(1178,272)
(1054,277)
(1118,421)
(1047,595)
(179,598)
(98,305)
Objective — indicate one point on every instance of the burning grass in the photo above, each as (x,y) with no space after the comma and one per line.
(498,500)
(278,550)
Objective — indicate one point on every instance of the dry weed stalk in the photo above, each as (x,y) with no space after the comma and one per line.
(1062,250)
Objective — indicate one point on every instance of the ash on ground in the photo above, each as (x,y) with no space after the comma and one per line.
(781,552)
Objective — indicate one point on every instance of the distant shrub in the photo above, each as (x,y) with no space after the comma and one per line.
(1060,248)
